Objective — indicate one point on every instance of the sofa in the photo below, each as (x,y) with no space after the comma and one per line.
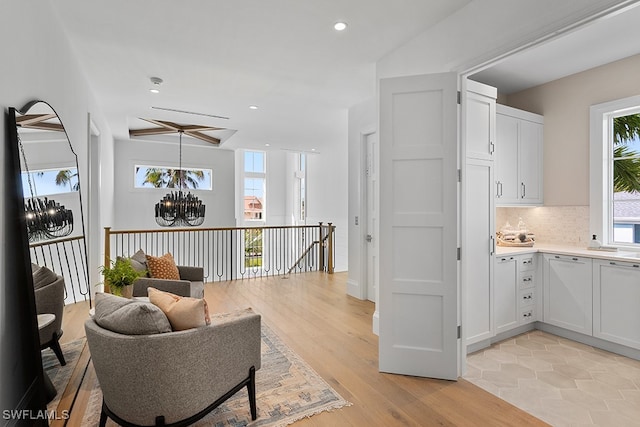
(189,284)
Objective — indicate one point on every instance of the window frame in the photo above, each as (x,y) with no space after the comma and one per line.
(601,166)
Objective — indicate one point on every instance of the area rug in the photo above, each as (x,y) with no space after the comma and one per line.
(58,374)
(287,390)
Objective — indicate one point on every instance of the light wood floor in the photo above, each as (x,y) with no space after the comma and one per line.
(332,332)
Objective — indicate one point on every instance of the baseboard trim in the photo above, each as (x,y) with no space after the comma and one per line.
(353,289)
(612,347)
(477,346)
(561,332)
(376,323)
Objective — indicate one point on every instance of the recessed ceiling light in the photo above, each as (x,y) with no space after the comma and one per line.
(340,26)
(156,82)
(253,107)
(267,145)
(313,149)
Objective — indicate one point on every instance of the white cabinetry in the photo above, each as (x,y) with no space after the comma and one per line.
(616,302)
(518,157)
(527,295)
(515,296)
(478,221)
(568,292)
(480,107)
(505,285)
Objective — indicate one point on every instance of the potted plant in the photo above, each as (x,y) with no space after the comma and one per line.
(120,277)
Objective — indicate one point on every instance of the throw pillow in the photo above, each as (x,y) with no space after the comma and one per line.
(42,276)
(163,267)
(129,317)
(182,312)
(139,261)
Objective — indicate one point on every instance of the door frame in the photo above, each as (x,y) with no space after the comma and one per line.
(363,219)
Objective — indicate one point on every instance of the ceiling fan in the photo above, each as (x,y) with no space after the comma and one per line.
(164,128)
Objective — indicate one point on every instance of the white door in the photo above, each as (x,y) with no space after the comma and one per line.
(418,231)
(371,143)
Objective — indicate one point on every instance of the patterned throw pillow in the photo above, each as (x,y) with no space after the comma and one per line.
(163,267)
(182,312)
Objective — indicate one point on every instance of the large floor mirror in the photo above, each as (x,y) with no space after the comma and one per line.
(53,198)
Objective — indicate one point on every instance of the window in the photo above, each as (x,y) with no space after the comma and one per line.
(615,172)
(50,181)
(254,198)
(165,177)
(301,211)
(254,185)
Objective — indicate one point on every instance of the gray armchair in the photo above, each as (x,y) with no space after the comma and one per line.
(175,378)
(191,283)
(50,300)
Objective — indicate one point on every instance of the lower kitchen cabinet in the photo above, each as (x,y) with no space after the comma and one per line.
(505,301)
(514,291)
(616,302)
(568,292)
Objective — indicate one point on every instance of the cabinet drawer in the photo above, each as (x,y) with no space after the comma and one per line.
(527,315)
(527,263)
(527,297)
(526,280)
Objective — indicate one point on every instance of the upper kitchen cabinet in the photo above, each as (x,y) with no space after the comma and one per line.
(480,120)
(518,157)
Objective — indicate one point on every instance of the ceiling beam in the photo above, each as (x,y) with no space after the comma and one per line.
(166,127)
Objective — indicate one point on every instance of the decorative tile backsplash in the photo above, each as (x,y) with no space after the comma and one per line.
(567,225)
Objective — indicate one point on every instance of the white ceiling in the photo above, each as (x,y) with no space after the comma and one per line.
(218,57)
(600,42)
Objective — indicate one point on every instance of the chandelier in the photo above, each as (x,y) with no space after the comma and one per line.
(177,208)
(45,218)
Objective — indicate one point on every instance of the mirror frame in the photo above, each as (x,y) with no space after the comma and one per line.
(85,259)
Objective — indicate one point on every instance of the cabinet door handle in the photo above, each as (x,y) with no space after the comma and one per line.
(523,188)
(492,147)
(492,245)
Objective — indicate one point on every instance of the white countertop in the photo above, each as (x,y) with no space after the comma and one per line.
(620,255)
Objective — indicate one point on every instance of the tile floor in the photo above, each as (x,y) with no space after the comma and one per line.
(560,381)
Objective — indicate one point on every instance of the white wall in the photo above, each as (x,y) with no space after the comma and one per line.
(327,190)
(279,180)
(134,207)
(362,120)
(39,63)
(565,103)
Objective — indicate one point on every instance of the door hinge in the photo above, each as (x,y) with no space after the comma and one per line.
(459,97)
(459,331)
(459,175)
(459,253)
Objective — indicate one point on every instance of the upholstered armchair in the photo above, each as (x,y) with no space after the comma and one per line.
(49,295)
(173,378)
